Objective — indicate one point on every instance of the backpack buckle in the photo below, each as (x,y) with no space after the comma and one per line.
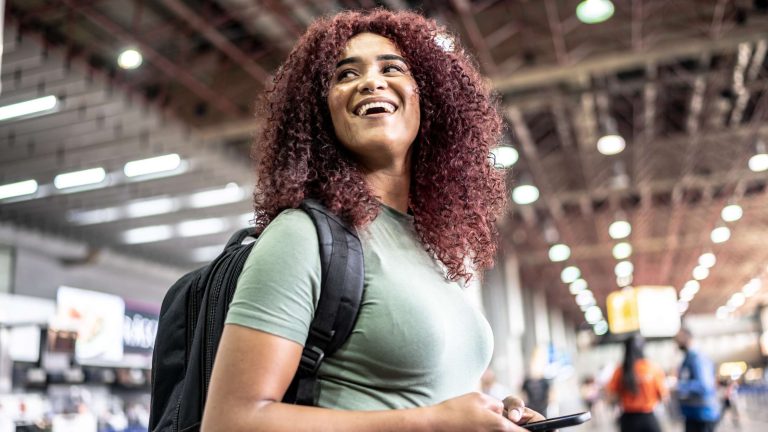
(311,358)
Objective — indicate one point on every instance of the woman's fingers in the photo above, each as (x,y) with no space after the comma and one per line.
(530,416)
(515,408)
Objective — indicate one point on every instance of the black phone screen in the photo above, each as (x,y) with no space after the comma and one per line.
(559,422)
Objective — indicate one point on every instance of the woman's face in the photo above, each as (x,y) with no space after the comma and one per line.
(373,101)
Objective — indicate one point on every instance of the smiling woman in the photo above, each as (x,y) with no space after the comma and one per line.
(390,131)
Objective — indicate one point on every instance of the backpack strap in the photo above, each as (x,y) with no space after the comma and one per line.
(341,292)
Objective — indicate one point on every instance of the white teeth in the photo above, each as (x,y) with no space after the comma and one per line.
(386,105)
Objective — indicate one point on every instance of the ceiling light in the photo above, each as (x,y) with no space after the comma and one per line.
(611,144)
(686,296)
(570,274)
(601,328)
(585,298)
(200,227)
(205,253)
(11,190)
(700,272)
(504,156)
(737,300)
(622,250)
(720,234)
(682,306)
(129,59)
(759,162)
(559,252)
(152,165)
(752,287)
(693,286)
(624,269)
(245,219)
(525,194)
(732,213)
(624,281)
(722,312)
(97,216)
(80,178)
(148,234)
(228,194)
(593,314)
(619,229)
(707,260)
(578,286)
(150,207)
(594,11)
(35,106)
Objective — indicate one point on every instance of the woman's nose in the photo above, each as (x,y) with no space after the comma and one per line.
(372,82)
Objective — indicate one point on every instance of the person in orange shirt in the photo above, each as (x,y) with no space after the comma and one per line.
(638,386)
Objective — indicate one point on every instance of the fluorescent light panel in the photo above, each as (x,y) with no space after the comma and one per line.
(150,207)
(26,187)
(97,216)
(148,234)
(152,165)
(200,227)
(34,106)
(226,195)
(80,178)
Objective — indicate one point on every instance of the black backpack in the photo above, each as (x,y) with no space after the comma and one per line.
(194,309)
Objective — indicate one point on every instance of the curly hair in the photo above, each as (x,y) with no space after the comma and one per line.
(455,193)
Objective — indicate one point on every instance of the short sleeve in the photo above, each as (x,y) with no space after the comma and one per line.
(279,286)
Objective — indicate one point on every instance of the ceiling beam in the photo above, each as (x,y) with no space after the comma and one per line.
(476,38)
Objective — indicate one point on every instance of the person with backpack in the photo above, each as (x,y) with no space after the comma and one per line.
(389,127)
(638,385)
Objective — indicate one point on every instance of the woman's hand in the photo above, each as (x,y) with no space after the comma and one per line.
(515,410)
(473,412)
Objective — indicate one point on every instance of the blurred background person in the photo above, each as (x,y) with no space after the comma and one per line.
(536,386)
(696,387)
(638,387)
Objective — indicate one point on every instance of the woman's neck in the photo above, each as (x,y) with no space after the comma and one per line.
(390,181)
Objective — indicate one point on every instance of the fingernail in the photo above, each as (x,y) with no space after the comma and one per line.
(515,414)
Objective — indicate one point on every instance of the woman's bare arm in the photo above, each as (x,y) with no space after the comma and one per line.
(253,369)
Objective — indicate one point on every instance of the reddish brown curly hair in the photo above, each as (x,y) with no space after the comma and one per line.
(455,194)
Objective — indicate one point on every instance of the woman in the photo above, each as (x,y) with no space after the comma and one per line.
(390,131)
(638,385)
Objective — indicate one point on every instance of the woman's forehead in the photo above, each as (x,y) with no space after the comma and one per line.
(369,44)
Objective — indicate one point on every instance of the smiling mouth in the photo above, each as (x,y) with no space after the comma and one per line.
(376,109)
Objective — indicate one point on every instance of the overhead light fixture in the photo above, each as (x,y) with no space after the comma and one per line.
(578,286)
(752,287)
(152,165)
(692,285)
(12,190)
(720,234)
(230,193)
(593,314)
(130,59)
(150,207)
(594,11)
(205,253)
(686,296)
(700,272)
(80,178)
(610,145)
(570,274)
(245,219)
(525,194)
(504,156)
(682,306)
(722,312)
(31,107)
(624,269)
(148,234)
(619,229)
(707,260)
(96,216)
(600,328)
(559,252)
(200,227)
(622,250)
(759,162)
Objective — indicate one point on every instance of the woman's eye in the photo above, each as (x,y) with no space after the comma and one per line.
(395,68)
(345,74)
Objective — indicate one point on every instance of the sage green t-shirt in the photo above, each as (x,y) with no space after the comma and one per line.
(417,341)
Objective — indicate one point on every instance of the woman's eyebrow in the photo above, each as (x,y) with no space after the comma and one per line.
(349,60)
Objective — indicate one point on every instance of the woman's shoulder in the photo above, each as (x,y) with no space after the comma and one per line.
(293,224)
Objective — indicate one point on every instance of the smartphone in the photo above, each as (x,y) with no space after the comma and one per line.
(559,422)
